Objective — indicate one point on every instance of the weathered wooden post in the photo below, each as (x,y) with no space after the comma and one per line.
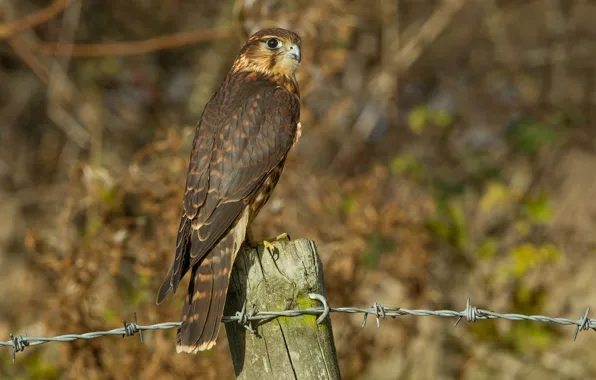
(282,348)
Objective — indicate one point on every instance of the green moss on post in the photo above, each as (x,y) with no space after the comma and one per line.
(283,348)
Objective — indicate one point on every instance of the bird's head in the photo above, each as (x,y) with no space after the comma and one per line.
(273,52)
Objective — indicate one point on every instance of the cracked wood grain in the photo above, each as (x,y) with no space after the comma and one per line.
(284,348)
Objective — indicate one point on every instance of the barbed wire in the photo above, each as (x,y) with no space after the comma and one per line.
(246,319)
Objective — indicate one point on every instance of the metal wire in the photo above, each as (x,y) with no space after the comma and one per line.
(470,313)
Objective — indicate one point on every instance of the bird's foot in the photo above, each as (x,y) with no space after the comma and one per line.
(268,243)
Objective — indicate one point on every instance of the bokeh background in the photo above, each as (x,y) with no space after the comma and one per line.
(448,150)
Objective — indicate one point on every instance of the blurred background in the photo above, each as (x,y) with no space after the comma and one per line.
(448,150)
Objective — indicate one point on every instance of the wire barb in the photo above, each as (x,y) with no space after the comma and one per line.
(584,323)
(378,311)
(470,312)
(18,345)
(244,319)
(132,328)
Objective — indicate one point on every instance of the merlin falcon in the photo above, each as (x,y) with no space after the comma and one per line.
(240,146)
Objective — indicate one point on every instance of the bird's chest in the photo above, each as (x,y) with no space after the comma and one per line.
(264,192)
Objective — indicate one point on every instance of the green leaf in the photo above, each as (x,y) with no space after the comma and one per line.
(528,136)
(406,164)
(348,204)
(377,246)
(460,232)
(144,281)
(522,227)
(39,367)
(418,118)
(442,118)
(110,65)
(439,228)
(539,208)
(550,252)
(450,223)
(108,196)
(110,315)
(495,193)
(527,336)
(488,249)
(527,257)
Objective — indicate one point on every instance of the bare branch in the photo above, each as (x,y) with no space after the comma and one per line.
(13,28)
(135,47)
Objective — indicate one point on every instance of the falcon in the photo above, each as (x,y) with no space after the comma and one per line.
(238,153)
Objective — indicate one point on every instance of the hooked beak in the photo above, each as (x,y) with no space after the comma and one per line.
(294,52)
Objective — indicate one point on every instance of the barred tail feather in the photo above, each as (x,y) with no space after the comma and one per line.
(207,291)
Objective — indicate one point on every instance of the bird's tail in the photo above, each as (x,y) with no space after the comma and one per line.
(207,290)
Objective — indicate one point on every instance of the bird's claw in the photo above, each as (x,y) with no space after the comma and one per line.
(283,236)
(268,246)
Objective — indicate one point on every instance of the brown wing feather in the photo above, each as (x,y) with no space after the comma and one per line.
(240,139)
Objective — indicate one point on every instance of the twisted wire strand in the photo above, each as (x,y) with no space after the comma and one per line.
(470,313)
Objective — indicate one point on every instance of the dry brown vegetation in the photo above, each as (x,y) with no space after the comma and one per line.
(448,151)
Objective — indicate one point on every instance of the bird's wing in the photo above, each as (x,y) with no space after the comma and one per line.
(234,150)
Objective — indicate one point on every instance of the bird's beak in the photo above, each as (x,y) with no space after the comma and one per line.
(294,52)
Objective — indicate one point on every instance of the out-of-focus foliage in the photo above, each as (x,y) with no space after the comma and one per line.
(447,151)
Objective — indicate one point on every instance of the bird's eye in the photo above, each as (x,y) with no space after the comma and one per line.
(273,43)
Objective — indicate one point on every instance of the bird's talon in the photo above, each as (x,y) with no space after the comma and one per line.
(283,236)
(268,246)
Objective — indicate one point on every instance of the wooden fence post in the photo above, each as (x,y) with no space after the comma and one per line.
(282,348)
